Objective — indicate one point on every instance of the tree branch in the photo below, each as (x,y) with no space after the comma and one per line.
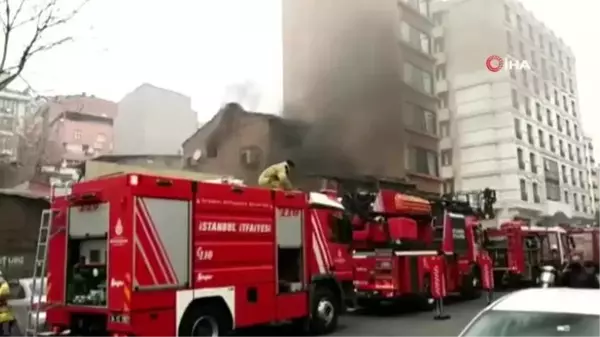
(45,19)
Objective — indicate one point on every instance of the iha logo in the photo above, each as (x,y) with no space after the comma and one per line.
(495,63)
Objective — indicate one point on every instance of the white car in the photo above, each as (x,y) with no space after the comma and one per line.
(540,312)
(22,291)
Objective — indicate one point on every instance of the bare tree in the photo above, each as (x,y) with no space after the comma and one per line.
(34,18)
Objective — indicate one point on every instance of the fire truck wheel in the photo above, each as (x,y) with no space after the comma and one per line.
(325,312)
(205,319)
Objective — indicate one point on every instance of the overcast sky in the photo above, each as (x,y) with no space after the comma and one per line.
(198,47)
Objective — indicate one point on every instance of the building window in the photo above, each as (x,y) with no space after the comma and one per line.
(570,152)
(518,132)
(77,134)
(565,177)
(562,80)
(546,91)
(575,202)
(515,98)
(571,88)
(530,134)
(509,41)
(519,23)
(536,85)
(101,138)
(525,78)
(538,112)
(581,180)
(438,45)
(448,186)
(573,177)
(421,119)
(415,38)
(566,198)
(556,99)
(552,191)
(507,13)
(552,143)
(445,129)
(523,186)
(536,193)
(549,117)
(533,163)
(446,157)
(520,159)
(440,72)
(422,161)
(559,125)
(576,132)
(568,128)
(541,139)
(438,18)
(561,148)
(573,109)
(418,78)
(579,160)
(527,103)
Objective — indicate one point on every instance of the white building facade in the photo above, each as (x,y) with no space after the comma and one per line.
(153,120)
(516,130)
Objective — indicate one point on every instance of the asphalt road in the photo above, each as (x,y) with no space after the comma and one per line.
(410,323)
(401,321)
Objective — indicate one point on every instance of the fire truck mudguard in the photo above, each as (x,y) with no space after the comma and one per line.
(210,310)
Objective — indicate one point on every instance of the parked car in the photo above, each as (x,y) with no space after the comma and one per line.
(540,312)
(21,292)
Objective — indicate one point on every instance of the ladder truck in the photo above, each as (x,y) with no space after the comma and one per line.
(393,261)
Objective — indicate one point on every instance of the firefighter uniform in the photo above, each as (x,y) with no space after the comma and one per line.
(6,316)
(277,176)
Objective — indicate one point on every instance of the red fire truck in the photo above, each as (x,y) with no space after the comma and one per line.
(519,250)
(392,258)
(459,234)
(142,254)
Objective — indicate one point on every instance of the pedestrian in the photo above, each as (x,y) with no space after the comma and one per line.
(7,319)
(277,176)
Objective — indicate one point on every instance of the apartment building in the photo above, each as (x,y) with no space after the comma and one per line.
(79,127)
(14,106)
(153,120)
(591,174)
(517,130)
(362,71)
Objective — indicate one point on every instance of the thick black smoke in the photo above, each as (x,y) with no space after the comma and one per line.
(354,103)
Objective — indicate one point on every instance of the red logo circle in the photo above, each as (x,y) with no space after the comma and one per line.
(494,63)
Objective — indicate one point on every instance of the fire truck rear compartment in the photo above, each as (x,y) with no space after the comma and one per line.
(86,272)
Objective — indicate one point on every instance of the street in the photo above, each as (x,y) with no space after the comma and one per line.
(399,323)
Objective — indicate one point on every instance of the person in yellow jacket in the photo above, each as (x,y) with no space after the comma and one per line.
(277,176)
(7,319)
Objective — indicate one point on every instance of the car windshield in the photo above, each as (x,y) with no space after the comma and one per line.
(520,323)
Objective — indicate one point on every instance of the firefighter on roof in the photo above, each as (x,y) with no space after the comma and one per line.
(7,319)
(277,176)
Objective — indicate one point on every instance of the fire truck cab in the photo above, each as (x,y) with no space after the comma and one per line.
(520,250)
(459,234)
(144,254)
(585,243)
